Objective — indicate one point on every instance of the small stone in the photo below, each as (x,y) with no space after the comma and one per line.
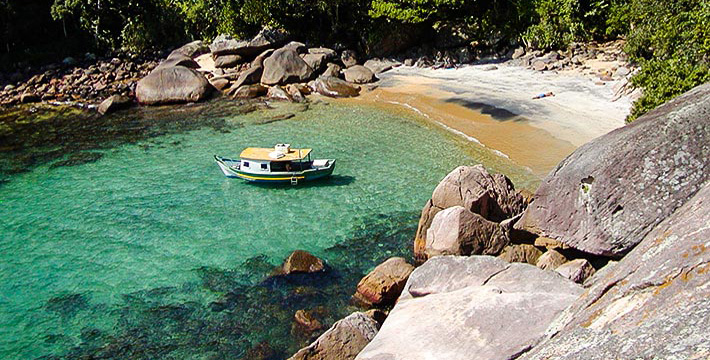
(576,270)
(518,53)
(521,253)
(490,68)
(550,260)
(349,58)
(114,103)
(539,65)
(277,93)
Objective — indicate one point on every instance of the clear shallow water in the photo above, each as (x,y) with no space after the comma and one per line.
(150,251)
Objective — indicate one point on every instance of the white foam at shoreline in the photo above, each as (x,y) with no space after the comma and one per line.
(579,111)
(450,129)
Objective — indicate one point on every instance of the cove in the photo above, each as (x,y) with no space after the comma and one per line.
(145,250)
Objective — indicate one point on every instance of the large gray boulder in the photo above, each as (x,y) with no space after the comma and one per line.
(610,193)
(457,231)
(359,74)
(491,196)
(315,61)
(343,341)
(176,84)
(334,87)
(284,66)
(471,307)
(227,61)
(653,304)
(266,39)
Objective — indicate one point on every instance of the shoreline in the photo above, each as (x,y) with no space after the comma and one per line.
(495,109)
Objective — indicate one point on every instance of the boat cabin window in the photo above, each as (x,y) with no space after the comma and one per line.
(277,166)
(264,166)
(246,164)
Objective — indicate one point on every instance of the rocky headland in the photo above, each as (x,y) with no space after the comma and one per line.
(608,259)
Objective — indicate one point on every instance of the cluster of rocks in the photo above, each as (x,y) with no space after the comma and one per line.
(88,81)
(506,279)
(267,65)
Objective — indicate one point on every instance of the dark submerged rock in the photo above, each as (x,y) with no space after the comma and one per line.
(301,262)
(114,103)
(610,193)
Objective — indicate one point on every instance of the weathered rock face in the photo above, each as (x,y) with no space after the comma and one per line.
(654,303)
(453,307)
(523,253)
(294,92)
(301,262)
(344,340)
(249,76)
(285,66)
(172,85)
(457,231)
(359,74)
(334,87)
(491,196)
(114,103)
(607,195)
(384,284)
(577,270)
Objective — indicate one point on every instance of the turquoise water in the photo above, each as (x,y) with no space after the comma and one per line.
(148,251)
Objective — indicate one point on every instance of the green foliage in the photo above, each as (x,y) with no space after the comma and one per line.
(671,41)
(415,11)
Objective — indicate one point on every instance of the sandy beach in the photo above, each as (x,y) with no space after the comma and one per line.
(496,109)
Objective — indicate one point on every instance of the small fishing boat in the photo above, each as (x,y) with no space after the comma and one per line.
(279,164)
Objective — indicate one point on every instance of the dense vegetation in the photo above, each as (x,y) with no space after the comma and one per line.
(670,39)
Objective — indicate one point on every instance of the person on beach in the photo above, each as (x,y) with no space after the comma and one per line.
(540,96)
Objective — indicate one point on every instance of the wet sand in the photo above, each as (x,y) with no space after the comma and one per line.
(495,109)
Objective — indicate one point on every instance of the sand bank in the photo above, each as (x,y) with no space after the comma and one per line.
(495,108)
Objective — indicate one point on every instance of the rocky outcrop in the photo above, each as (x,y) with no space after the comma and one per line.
(176,84)
(453,307)
(285,66)
(457,231)
(334,87)
(491,196)
(383,285)
(178,59)
(343,341)
(653,303)
(359,74)
(301,262)
(610,193)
